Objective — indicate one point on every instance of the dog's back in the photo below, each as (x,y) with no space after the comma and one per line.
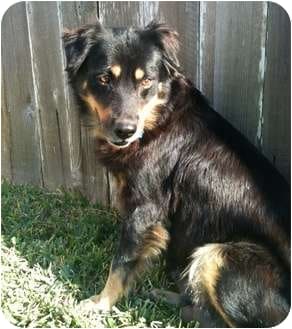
(225,183)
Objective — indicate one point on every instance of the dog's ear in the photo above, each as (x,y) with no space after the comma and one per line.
(166,39)
(77,44)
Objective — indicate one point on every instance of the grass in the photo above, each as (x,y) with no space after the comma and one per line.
(56,251)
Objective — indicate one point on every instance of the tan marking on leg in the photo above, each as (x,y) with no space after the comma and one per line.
(114,289)
(205,270)
(116,70)
(155,240)
(120,184)
(119,279)
(139,73)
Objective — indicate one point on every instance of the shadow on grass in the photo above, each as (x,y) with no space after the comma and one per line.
(63,231)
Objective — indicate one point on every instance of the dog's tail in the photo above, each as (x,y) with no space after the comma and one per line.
(244,284)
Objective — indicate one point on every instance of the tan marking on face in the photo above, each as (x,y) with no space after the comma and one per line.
(84,85)
(139,74)
(161,93)
(116,70)
(97,108)
(149,113)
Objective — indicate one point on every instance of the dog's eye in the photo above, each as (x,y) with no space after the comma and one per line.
(146,83)
(104,79)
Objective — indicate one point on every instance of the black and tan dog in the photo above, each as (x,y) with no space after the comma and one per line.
(189,183)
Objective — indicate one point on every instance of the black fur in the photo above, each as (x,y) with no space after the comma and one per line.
(191,173)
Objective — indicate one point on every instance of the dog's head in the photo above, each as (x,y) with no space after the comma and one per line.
(123,77)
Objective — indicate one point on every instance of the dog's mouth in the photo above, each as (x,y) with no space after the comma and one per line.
(122,143)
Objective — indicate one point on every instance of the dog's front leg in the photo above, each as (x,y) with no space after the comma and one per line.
(143,236)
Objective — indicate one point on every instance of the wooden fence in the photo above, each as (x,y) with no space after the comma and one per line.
(237,53)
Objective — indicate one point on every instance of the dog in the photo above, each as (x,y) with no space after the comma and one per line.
(190,186)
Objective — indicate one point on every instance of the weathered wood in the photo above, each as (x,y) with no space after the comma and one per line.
(188,29)
(5,137)
(77,13)
(118,14)
(239,59)
(277,97)
(94,177)
(18,112)
(48,84)
(207,48)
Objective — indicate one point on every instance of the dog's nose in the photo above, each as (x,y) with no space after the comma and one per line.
(125,130)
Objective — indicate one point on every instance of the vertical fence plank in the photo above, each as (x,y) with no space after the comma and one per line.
(239,55)
(277,102)
(47,69)
(207,48)
(19,109)
(5,136)
(118,13)
(189,31)
(95,181)
(77,13)
(184,17)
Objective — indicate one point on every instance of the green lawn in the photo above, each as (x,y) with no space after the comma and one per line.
(56,250)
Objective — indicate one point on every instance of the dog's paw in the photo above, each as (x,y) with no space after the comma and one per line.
(169,297)
(95,304)
(155,294)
